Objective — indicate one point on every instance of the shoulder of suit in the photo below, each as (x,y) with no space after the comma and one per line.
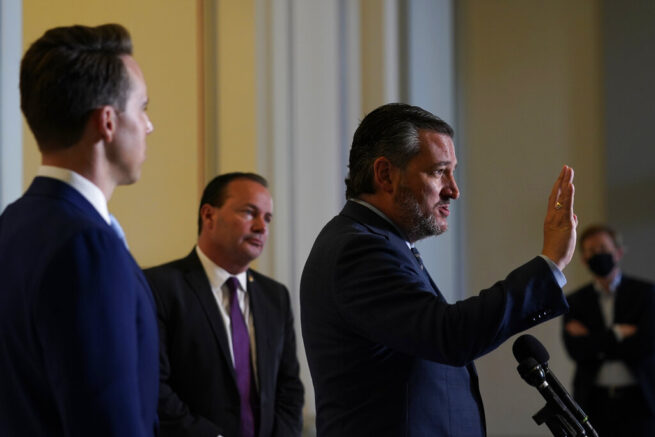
(632,283)
(262,280)
(371,223)
(172,267)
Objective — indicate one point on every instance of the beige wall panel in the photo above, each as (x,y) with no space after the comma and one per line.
(531,102)
(158,213)
(237,100)
(372,40)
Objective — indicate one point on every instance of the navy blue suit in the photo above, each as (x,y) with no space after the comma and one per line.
(387,354)
(78,333)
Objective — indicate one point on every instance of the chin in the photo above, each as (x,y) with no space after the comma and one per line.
(131,179)
(252,253)
(441,223)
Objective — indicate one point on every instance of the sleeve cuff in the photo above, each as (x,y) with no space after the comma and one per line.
(557,273)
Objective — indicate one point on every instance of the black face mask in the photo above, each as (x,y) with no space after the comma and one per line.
(601,264)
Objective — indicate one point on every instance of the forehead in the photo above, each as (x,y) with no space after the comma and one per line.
(247,191)
(435,149)
(599,239)
(137,81)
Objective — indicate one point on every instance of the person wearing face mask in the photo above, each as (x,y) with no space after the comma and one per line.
(609,332)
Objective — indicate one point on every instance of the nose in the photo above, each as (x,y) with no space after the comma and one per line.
(452,190)
(259,225)
(149,126)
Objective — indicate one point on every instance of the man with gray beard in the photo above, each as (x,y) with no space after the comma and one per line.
(388,355)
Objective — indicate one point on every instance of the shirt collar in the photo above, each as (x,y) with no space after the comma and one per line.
(381,214)
(613,285)
(218,275)
(85,187)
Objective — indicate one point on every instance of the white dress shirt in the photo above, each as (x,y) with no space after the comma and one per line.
(84,186)
(217,277)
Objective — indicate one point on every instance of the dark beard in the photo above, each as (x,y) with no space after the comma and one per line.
(415,222)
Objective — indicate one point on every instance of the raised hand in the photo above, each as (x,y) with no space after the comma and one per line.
(561,222)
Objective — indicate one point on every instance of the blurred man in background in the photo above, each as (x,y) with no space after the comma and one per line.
(610,333)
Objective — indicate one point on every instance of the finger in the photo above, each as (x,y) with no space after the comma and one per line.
(566,192)
(567,197)
(554,193)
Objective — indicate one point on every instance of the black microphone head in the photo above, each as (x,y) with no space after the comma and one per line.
(526,346)
(532,372)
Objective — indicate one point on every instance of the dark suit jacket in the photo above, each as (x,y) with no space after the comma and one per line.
(78,334)
(387,354)
(634,304)
(199,395)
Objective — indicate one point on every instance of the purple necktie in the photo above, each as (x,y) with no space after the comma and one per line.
(241,348)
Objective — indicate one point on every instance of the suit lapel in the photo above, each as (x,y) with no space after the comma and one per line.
(592,298)
(434,286)
(199,284)
(261,314)
(379,225)
(624,304)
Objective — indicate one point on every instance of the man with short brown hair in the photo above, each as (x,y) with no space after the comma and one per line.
(78,334)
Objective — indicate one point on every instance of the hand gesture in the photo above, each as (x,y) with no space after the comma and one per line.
(561,223)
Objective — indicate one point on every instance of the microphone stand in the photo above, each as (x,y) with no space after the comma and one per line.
(555,422)
(556,416)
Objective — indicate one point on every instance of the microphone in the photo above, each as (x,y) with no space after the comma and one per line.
(527,346)
(535,375)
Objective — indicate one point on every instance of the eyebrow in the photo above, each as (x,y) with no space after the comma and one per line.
(443,163)
(253,206)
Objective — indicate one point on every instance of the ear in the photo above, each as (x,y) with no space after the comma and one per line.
(207,216)
(384,174)
(105,120)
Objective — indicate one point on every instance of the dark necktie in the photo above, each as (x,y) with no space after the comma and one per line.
(241,348)
(417,254)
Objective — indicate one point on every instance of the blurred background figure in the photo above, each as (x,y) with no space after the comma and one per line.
(610,333)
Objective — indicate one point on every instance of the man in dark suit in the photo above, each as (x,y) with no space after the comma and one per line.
(388,355)
(610,333)
(78,333)
(228,347)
